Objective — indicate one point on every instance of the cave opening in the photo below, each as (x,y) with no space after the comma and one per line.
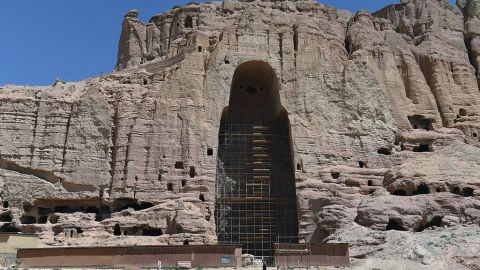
(179,165)
(394,225)
(255,198)
(456,190)
(116,230)
(384,151)
(192,172)
(421,122)
(9,229)
(467,192)
(42,219)
(421,148)
(152,232)
(399,192)
(188,23)
(28,220)
(436,221)
(5,217)
(423,189)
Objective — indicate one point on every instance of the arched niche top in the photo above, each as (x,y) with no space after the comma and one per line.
(254,94)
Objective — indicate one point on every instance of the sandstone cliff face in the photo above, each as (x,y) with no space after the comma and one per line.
(385,121)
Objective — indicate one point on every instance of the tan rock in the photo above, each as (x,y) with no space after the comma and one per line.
(379,105)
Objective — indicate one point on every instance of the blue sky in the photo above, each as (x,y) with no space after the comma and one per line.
(42,40)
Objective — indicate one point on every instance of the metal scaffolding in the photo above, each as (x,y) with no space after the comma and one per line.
(256,203)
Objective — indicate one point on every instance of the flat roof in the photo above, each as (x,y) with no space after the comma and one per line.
(18,233)
(125,250)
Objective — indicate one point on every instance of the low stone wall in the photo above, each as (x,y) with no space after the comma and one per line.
(307,255)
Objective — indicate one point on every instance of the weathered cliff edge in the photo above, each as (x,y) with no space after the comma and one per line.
(385,119)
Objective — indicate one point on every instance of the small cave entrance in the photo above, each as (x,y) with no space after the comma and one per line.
(105,213)
(152,232)
(456,190)
(42,219)
(186,243)
(188,23)
(9,229)
(28,220)
(394,225)
(467,192)
(399,192)
(116,230)
(421,148)
(384,151)
(420,122)
(436,221)
(335,175)
(179,165)
(5,217)
(121,204)
(192,172)
(92,210)
(53,219)
(423,189)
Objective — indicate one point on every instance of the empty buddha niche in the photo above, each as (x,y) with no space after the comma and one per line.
(256,199)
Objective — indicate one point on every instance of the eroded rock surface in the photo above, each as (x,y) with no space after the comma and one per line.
(384,111)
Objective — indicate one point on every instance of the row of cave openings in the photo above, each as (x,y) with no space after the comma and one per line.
(43,213)
(142,230)
(424,189)
(422,122)
(47,212)
(395,224)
